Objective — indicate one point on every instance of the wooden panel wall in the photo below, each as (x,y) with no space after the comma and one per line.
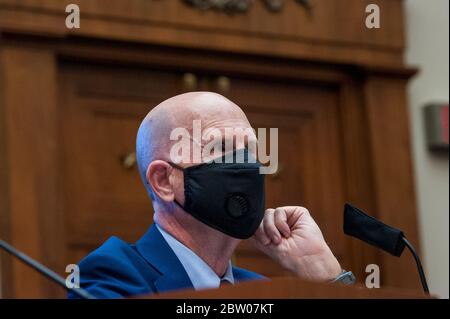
(328,47)
(31,208)
(388,121)
(333,30)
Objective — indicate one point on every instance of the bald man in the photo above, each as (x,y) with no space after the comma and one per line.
(203,207)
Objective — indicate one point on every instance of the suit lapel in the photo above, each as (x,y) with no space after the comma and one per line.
(153,247)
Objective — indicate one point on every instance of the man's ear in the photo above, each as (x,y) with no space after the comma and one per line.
(157,175)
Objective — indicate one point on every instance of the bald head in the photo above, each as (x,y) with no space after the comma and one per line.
(153,139)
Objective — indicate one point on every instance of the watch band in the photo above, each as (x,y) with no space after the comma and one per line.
(346,277)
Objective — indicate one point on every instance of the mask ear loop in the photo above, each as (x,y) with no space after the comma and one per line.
(181,169)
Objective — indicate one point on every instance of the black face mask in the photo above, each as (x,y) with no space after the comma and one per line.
(226,196)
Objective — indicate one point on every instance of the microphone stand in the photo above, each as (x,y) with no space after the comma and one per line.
(44,270)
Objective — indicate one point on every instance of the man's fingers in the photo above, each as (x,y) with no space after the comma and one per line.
(281,222)
(277,223)
(261,236)
(295,213)
(269,227)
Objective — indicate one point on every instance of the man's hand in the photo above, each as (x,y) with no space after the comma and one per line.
(290,236)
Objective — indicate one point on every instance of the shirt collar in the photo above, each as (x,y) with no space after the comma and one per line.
(199,272)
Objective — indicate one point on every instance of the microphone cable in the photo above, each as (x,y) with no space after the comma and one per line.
(423,279)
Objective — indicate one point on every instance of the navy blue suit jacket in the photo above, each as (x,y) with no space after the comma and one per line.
(118,269)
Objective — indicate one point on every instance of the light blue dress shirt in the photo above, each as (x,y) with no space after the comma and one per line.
(199,272)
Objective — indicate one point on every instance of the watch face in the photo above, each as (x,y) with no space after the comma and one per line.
(348,278)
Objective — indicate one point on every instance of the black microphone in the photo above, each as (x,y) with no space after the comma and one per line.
(374,232)
(44,270)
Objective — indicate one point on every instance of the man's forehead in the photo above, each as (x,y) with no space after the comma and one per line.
(224,124)
(211,116)
(226,128)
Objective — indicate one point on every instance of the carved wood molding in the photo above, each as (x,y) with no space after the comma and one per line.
(239,6)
